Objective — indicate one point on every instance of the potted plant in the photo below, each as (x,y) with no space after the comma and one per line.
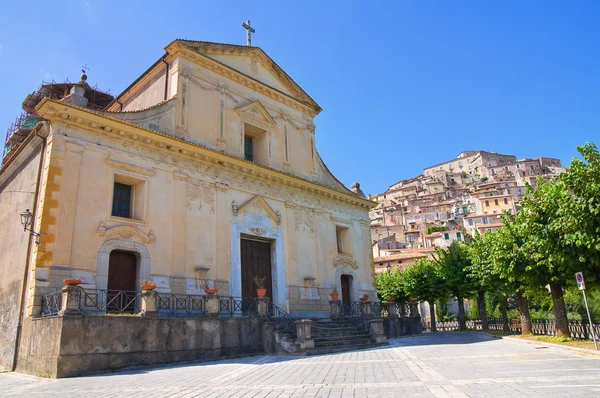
(334,294)
(365,297)
(209,288)
(260,286)
(148,285)
(72,281)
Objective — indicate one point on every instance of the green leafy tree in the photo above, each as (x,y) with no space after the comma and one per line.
(553,261)
(500,265)
(579,221)
(423,281)
(512,264)
(483,274)
(390,286)
(454,264)
(436,228)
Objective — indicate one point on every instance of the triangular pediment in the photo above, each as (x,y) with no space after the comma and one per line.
(254,63)
(256,112)
(259,205)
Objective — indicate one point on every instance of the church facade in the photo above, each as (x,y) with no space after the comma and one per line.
(204,171)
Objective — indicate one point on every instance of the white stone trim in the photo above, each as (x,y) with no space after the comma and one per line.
(103,257)
(239,228)
(354,291)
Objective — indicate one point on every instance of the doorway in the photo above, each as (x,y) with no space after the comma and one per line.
(256,262)
(346,282)
(122,275)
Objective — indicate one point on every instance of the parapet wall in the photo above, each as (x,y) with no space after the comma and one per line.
(74,345)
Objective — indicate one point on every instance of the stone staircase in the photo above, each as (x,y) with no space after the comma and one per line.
(334,335)
(342,334)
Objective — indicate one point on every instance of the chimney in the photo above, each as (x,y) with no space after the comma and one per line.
(356,189)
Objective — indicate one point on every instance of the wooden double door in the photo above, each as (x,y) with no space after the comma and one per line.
(256,262)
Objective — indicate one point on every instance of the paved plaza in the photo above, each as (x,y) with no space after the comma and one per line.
(449,364)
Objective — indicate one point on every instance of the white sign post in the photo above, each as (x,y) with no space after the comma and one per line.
(581,286)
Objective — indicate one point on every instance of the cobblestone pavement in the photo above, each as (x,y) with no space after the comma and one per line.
(433,365)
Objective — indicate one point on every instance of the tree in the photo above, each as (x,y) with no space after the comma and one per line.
(580,217)
(389,285)
(499,261)
(483,273)
(512,264)
(423,281)
(454,265)
(553,261)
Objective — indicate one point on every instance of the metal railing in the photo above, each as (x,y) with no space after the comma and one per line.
(103,301)
(179,305)
(362,309)
(540,327)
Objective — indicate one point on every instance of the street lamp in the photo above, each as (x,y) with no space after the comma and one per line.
(389,268)
(26,219)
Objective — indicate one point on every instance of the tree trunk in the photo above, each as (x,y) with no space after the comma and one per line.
(560,312)
(432,315)
(482,309)
(524,310)
(503,305)
(462,318)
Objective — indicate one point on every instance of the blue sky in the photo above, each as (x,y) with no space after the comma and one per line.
(402,84)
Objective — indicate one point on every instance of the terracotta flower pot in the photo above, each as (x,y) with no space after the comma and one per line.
(391,300)
(210,290)
(261,292)
(72,282)
(148,285)
(364,298)
(334,296)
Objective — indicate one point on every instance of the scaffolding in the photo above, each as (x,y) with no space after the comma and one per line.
(26,122)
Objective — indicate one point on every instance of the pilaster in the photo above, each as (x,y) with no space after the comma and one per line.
(67,204)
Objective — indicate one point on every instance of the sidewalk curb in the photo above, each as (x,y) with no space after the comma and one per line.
(543,343)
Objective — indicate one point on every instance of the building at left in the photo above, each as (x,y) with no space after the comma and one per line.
(203,172)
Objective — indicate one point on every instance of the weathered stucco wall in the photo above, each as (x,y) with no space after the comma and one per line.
(16,195)
(75,345)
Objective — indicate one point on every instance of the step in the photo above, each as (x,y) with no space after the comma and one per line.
(338,337)
(352,343)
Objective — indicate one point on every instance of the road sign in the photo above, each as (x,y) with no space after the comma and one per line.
(580,281)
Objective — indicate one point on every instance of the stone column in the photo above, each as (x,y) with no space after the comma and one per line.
(70,301)
(149,299)
(377,330)
(334,308)
(262,306)
(211,305)
(392,310)
(365,308)
(304,338)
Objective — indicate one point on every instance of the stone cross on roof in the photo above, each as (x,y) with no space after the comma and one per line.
(249,32)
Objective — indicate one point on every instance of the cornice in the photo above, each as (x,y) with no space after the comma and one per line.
(177,146)
(241,78)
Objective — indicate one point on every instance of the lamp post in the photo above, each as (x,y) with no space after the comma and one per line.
(389,268)
(26,219)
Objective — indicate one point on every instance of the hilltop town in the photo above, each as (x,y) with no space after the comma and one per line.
(448,201)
